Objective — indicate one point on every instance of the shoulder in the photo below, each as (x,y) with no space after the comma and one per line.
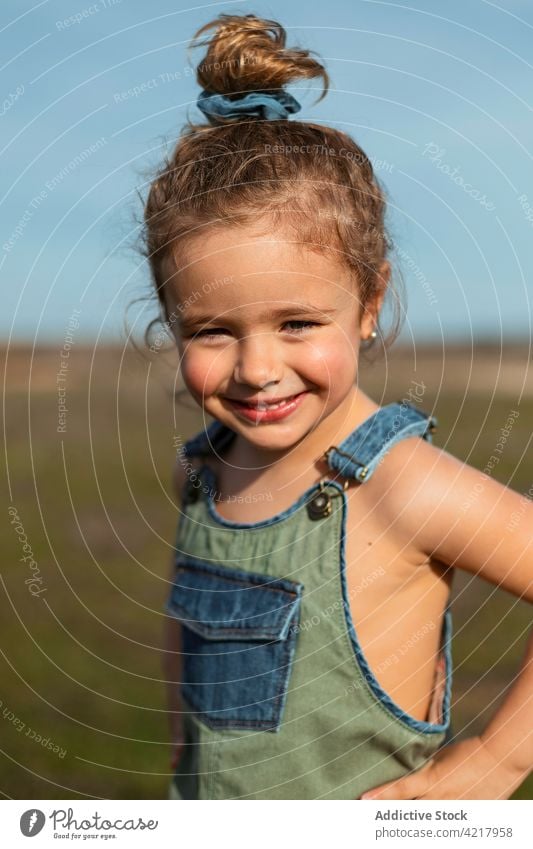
(412,474)
(456,513)
(417,470)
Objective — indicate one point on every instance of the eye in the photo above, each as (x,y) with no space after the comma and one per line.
(211,332)
(303,325)
(214,332)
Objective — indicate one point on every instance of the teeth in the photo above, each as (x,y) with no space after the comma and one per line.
(265,406)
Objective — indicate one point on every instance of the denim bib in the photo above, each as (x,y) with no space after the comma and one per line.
(279,700)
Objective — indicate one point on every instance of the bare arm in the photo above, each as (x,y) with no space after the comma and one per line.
(468,520)
(479,536)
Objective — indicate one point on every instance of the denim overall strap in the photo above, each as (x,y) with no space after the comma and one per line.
(360,453)
(356,456)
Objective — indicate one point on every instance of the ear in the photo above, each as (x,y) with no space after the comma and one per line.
(373,306)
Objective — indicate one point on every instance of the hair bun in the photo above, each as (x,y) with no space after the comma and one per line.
(247,53)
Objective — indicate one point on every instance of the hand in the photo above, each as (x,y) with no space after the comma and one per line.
(465,770)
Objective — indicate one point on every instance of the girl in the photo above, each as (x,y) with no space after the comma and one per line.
(308,635)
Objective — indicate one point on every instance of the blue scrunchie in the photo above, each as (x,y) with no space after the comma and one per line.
(271,106)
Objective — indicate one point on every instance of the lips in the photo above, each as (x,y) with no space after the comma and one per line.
(265,405)
(259,412)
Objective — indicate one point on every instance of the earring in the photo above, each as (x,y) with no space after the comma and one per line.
(371,336)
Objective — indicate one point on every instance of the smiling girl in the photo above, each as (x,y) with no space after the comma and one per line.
(308,640)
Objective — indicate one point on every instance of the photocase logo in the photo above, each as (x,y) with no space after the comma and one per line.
(31,822)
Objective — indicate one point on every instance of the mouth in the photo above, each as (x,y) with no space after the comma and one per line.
(274,404)
(264,412)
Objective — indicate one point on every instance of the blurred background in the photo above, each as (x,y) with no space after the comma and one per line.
(94,94)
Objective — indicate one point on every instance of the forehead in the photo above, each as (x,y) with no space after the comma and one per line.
(249,274)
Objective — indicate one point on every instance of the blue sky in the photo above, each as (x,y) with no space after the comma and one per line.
(438,95)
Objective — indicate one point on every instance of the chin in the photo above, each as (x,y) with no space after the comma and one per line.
(265,441)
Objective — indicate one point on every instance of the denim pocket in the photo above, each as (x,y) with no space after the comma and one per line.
(239,637)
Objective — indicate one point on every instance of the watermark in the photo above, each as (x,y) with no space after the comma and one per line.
(207,288)
(195,481)
(325,150)
(35,580)
(419,275)
(493,460)
(32,822)
(339,604)
(64,819)
(188,467)
(523,200)
(393,658)
(50,186)
(411,641)
(61,376)
(174,76)
(83,14)
(78,160)
(251,498)
(436,154)
(516,515)
(414,396)
(358,224)
(25,219)
(30,733)
(11,99)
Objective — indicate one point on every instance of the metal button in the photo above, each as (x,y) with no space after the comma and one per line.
(319,506)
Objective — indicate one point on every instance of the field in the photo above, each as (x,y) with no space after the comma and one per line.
(82,699)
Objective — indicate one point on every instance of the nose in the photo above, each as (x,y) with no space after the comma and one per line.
(258,362)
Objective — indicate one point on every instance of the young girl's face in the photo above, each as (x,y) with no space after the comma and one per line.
(260,319)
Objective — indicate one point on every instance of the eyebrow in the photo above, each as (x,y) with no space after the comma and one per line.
(305,309)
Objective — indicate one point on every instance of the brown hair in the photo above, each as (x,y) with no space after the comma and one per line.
(312,180)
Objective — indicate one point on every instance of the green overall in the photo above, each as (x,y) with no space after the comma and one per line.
(279,700)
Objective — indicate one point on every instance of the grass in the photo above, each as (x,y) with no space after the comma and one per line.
(81,663)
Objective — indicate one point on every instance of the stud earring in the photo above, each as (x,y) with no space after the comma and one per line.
(371,336)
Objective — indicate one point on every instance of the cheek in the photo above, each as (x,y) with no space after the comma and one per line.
(330,361)
(202,371)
